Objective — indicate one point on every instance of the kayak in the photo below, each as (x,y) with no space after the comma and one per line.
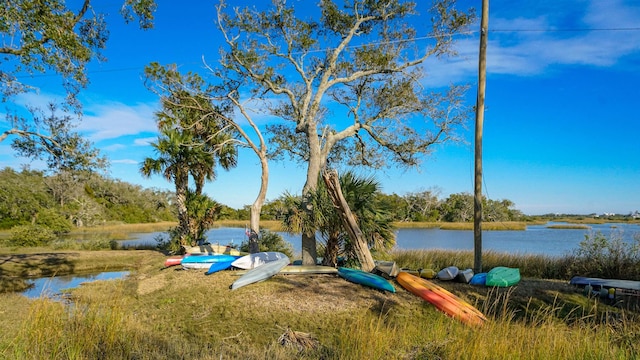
(388,269)
(621,287)
(503,276)
(479,279)
(366,279)
(299,270)
(173,261)
(442,299)
(209,249)
(205,261)
(428,273)
(251,261)
(219,266)
(448,273)
(307,269)
(260,273)
(464,276)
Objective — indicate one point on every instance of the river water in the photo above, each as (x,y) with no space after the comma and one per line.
(536,239)
(53,286)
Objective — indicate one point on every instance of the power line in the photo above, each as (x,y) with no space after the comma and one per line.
(420,38)
(566,30)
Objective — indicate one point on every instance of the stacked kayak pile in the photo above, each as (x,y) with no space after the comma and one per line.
(500,276)
(445,301)
(261,266)
(251,268)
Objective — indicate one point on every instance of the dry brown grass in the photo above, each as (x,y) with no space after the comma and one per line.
(174,314)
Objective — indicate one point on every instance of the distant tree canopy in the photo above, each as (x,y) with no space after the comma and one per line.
(424,206)
(65,200)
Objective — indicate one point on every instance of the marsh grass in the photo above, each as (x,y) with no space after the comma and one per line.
(121,228)
(171,314)
(507,225)
(569,226)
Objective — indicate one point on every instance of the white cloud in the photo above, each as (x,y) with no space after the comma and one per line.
(126,161)
(113,147)
(144,141)
(112,120)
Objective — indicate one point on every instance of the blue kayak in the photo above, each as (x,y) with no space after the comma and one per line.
(219,266)
(205,261)
(479,279)
(366,279)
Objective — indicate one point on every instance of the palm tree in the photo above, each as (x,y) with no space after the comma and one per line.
(374,221)
(195,138)
(173,163)
(203,211)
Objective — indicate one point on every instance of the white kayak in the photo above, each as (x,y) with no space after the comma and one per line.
(260,273)
(251,261)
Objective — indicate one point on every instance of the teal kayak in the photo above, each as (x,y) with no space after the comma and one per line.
(366,279)
(503,276)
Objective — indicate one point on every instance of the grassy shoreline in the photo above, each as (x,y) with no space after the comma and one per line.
(170,314)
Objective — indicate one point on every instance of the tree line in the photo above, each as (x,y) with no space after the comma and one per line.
(65,201)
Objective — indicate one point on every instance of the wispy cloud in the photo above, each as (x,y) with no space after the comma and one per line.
(114,147)
(144,141)
(528,46)
(126,161)
(112,120)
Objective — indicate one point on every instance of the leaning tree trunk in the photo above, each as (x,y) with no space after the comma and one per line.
(348,220)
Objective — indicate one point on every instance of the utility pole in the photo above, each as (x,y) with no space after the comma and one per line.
(477,202)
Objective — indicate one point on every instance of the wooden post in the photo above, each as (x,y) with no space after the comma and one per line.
(348,220)
(477,208)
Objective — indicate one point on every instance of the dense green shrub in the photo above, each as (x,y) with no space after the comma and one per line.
(31,235)
(612,257)
(270,241)
(55,221)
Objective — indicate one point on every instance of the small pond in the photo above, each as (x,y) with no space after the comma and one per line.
(54,286)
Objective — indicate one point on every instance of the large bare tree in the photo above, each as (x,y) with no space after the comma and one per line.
(346,78)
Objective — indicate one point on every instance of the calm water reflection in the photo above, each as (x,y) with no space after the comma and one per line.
(536,239)
(53,286)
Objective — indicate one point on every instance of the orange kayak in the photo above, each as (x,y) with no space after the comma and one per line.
(442,299)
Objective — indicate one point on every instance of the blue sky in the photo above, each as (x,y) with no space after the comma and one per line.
(561,124)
